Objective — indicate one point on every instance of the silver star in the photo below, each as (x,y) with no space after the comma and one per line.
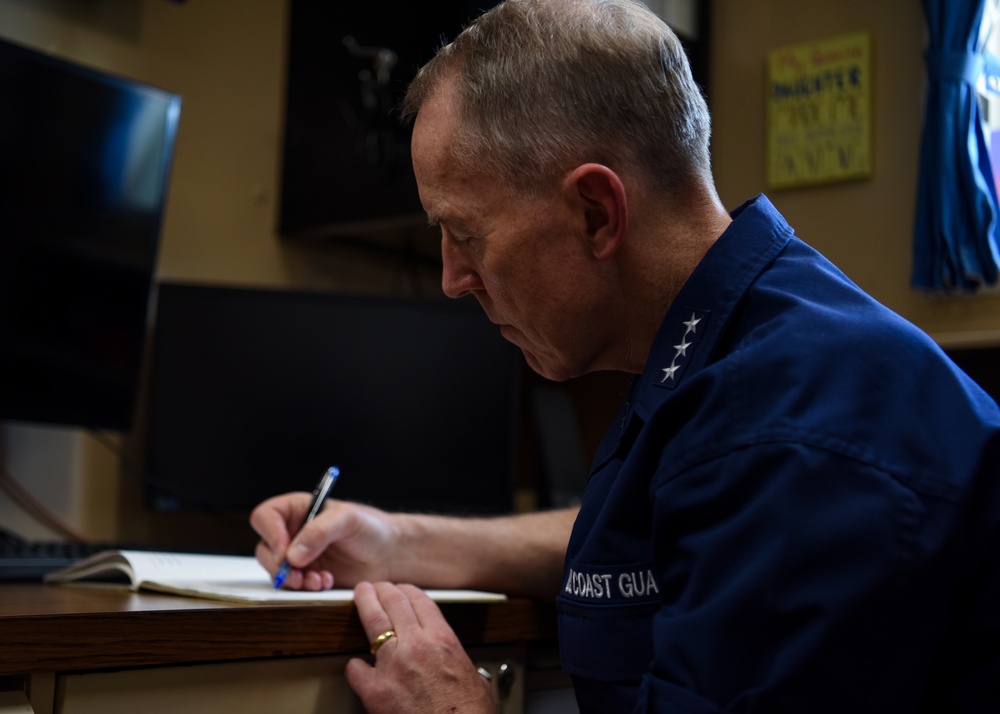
(682,348)
(692,323)
(668,372)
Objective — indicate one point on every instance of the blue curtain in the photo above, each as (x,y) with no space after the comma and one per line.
(955,241)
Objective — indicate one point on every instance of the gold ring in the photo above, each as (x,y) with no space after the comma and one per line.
(382,639)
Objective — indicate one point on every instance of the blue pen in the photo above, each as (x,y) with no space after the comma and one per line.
(320,493)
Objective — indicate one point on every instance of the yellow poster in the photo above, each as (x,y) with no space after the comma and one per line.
(819,98)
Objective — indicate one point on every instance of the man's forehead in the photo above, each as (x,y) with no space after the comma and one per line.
(437,119)
(431,149)
(450,195)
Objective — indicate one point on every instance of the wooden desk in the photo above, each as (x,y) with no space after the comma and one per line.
(75,650)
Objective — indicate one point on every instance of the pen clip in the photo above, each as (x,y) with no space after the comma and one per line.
(326,483)
(322,490)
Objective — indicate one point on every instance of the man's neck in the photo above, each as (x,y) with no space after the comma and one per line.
(663,252)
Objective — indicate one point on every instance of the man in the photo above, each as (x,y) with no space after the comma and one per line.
(797,508)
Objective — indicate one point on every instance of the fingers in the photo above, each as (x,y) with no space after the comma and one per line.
(376,618)
(266,557)
(426,611)
(405,610)
(385,608)
(274,520)
(313,580)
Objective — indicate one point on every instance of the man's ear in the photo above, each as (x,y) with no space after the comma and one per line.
(599,194)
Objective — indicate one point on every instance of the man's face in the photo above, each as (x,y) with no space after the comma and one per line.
(527,261)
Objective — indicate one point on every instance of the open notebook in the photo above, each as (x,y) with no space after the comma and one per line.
(233,578)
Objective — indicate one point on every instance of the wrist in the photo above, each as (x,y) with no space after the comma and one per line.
(428,550)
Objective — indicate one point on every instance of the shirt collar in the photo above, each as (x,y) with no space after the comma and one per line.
(696,319)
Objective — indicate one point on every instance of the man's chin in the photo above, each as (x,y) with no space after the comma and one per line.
(552,368)
(546,369)
(510,333)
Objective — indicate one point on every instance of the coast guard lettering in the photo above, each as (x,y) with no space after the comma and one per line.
(628,584)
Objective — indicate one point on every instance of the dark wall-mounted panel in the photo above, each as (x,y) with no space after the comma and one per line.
(346,163)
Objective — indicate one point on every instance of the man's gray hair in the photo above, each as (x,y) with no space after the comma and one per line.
(542,86)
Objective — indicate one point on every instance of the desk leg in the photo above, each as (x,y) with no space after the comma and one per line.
(42,692)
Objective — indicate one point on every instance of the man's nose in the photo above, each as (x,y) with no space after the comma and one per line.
(458,277)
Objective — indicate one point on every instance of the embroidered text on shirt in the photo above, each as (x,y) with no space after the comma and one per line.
(607,586)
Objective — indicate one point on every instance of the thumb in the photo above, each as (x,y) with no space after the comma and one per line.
(361,676)
(308,544)
(300,554)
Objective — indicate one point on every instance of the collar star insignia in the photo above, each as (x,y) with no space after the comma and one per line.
(668,372)
(685,342)
(692,324)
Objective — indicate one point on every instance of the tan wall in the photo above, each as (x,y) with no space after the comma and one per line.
(866,226)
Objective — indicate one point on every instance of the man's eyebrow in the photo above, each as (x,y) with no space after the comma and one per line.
(434,220)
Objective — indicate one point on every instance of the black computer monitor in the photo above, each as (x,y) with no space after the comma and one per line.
(255,392)
(84,166)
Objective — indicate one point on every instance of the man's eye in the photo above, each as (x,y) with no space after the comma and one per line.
(458,237)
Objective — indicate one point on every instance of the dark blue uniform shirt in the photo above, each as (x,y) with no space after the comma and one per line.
(796,511)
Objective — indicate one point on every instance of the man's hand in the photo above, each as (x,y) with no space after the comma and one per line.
(345,544)
(422,666)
